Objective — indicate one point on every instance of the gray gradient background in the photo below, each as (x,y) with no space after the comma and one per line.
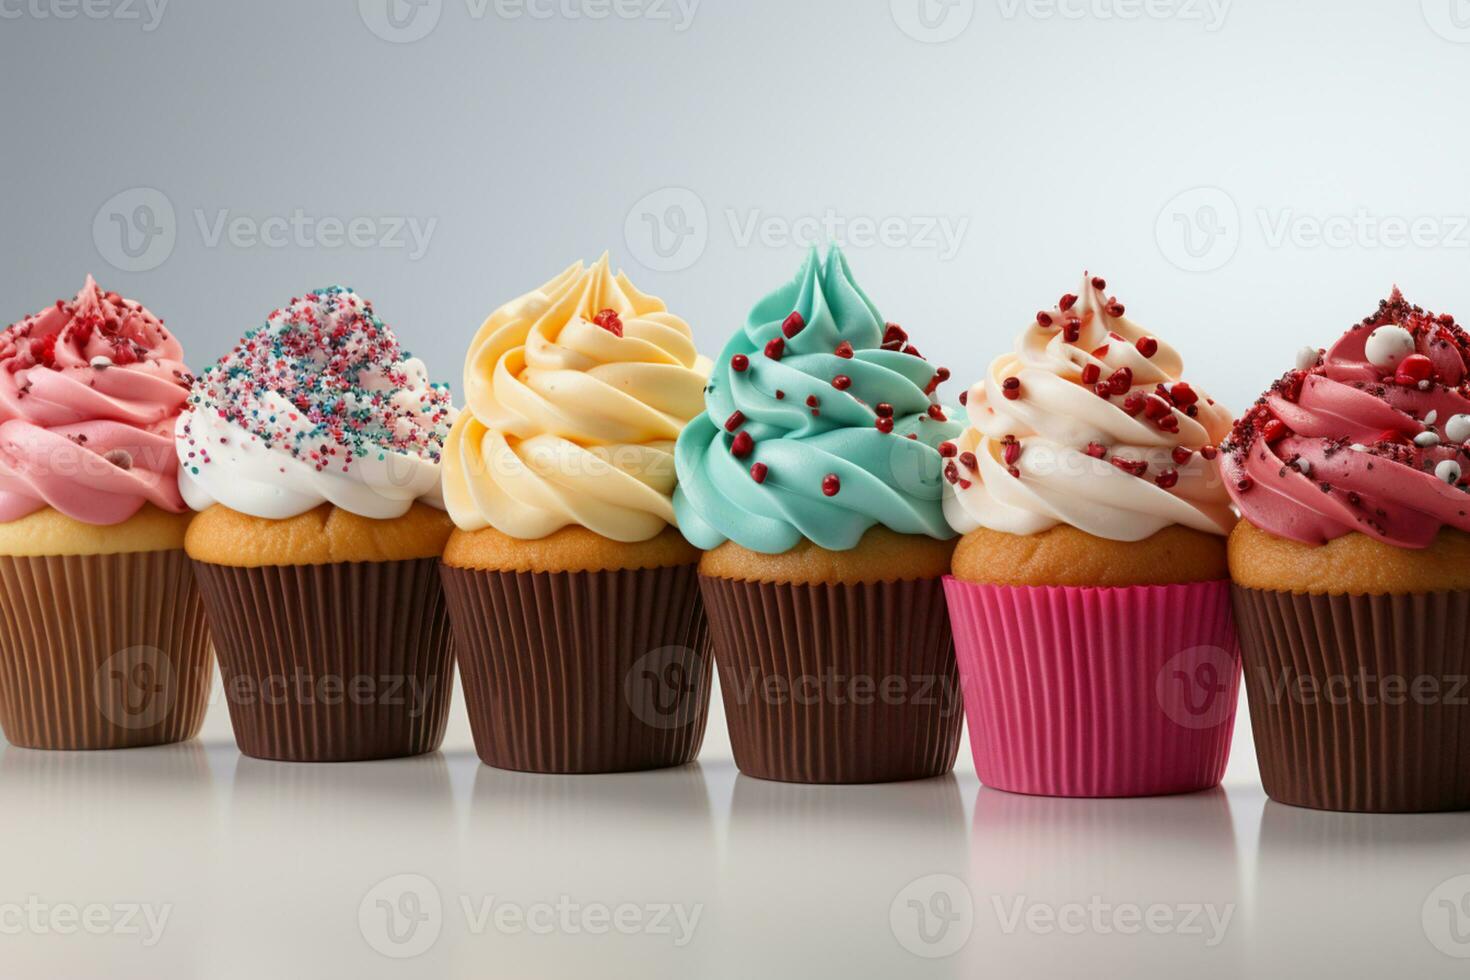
(1165,150)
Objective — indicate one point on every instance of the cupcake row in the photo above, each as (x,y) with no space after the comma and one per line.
(1060,556)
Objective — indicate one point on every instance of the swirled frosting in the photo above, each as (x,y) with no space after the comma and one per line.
(1369,436)
(319,405)
(1088,423)
(575,394)
(821,422)
(88,395)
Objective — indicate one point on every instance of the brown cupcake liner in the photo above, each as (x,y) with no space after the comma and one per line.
(582,672)
(332,663)
(837,683)
(102,651)
(1360,703)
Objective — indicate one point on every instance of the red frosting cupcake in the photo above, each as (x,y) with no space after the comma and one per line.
(1352,567)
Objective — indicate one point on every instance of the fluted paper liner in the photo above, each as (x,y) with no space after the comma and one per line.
(582,672)
(101,651)
(1360,703)
(332,663)
(836,683)
(1098,692)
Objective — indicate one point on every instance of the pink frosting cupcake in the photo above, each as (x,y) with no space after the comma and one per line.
(102,638)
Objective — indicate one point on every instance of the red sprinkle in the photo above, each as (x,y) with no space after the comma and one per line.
(1182,454)
(894,334)
(1133,404)
(1156,408)
(793,324)
(1167,479)
(741,446)
(884,424)
(948,449)
(937,413)
(739,363)
(1183,395)
(964,397)
(1098,282)
(1010,452)
(758,472)
(1043,318)
(1115,309)
(735,421)
(775,349)
(842,382)
(1274,431)
(1096,450)
(1120,381)
(811,401)
(884,409)
(830,484)
(1136,467)
(609,321)
(1147,346)
(844,349)
(1415,368)
(1068,301)
(1209,452)
(1090,374)
(1073,331)
(1011,388)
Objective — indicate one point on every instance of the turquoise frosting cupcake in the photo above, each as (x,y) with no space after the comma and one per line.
(820,423)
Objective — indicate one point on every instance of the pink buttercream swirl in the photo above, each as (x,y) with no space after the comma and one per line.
(1369,436)
(89,391)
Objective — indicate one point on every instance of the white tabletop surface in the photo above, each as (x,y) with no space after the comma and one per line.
(193,861)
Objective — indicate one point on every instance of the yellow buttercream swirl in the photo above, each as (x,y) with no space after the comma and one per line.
(569,423)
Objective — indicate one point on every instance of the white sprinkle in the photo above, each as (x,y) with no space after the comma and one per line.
(1448,470)
(1431,418)
(1389,345)
(101,362)
(1358,447)
(1304,466)
(1425,385)
(1426,439)
(1457,429)
(1307,358)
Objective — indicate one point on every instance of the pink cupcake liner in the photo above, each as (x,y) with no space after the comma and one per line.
(1097,692)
